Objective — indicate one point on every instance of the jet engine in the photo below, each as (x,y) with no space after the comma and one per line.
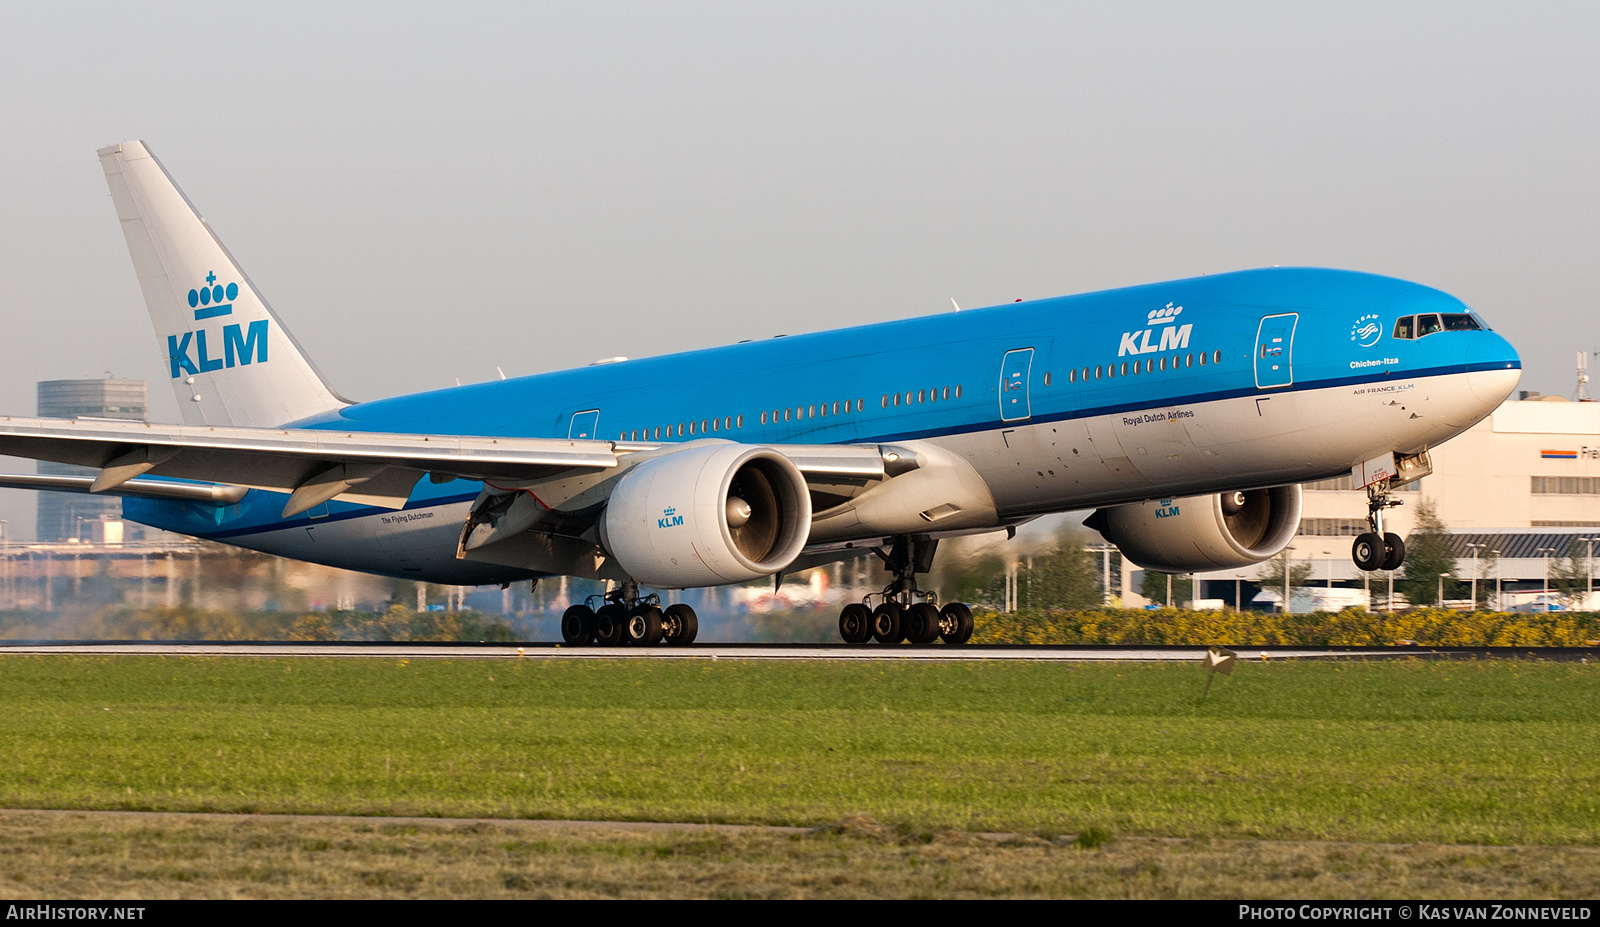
(706,516)
(1221,532)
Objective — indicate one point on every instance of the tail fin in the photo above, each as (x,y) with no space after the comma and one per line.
(231,361)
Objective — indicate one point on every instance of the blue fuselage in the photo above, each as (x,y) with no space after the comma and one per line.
(1070,380)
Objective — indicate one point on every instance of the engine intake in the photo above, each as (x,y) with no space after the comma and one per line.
(707,516)
(1221,532)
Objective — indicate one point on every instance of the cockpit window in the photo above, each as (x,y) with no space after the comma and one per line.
(1416,326)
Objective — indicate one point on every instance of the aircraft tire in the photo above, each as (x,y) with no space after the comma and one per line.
(1396,552)
(610,625)
(886,623)
(922,623)
(855,624)
(1369,552)
(644,626)
(680,624)
(955,623)
(577,625)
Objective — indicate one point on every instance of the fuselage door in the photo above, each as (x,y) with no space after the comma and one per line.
(584,425)
(1014,372)
(1275,351)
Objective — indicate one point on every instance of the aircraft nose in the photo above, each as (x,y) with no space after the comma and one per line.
(1493,368)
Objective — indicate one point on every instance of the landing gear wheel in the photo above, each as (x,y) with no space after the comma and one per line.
(1396,554)
(955,623)
(1368,552)
(577,625)
(922,623)
(644,626)
(886,623)
(610,623)
(855,624)
(680,624)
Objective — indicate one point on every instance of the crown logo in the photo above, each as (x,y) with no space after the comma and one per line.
(208,301)
(1164,314)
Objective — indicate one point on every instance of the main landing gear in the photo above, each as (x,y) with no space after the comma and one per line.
(623,617)
(1376,549)
(905,613)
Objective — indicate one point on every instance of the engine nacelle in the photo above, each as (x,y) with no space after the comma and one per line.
(1198,533)
(707,516)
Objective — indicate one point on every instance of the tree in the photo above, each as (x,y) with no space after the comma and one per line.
(1270,575)
(1154,587)
(1065,577)
(1569,575)
(1428,553)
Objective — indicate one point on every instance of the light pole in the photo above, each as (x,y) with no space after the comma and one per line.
(1474,575)
(1499,571)
(1589,569)
(1547,551)
(1286,579)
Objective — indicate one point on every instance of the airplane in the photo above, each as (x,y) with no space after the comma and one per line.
(1185,413)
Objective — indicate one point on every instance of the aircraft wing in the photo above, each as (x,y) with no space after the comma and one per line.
(313,466)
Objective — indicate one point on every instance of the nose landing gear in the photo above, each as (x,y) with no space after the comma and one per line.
(1377,549)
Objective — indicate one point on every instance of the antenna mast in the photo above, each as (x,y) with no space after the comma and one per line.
(1583,377)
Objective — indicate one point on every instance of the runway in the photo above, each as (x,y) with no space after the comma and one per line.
(934,653)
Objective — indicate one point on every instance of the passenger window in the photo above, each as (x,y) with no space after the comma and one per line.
(835,408)
(1202,360)
(1428,324)
(1097,371)
(1124,370)
(702,426)
(1047,379)
(1404,328)
(1072,375)
(958,392)
(680,429)
(1216,357)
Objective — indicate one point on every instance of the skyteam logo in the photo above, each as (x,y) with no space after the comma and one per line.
(241,344)
(669,518)
(1367,330)
(1173,337)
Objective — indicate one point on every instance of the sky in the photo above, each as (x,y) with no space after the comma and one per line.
(426,192)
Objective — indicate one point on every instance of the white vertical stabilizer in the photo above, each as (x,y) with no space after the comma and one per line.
(230,359)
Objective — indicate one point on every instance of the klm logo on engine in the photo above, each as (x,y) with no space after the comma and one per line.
(669,518)
(241,344)
(1166,509)
(1173,337)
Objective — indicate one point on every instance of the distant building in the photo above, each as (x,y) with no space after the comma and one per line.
(76,515)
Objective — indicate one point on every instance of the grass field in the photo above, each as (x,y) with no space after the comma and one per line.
(1490,753)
